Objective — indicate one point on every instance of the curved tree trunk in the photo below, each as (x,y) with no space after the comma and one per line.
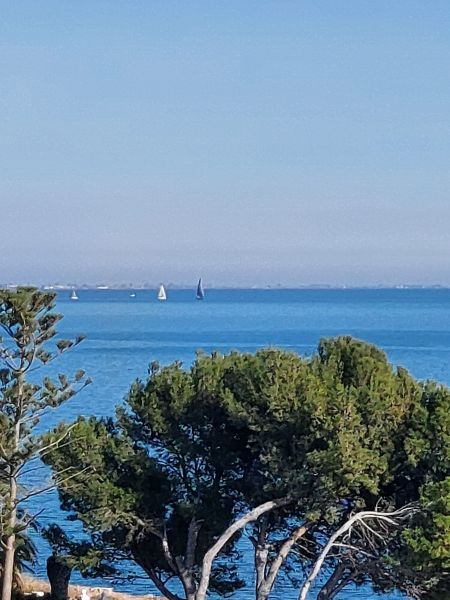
(239,524)
(393,519)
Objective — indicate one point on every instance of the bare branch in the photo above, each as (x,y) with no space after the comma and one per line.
(355,548)
(393,518)
(40,451)
(48,488)
(161,585)
(282,555)
(239,524)
(167,553)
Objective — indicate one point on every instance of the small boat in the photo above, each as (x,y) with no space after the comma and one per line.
(74,295)
(162,293)
(132,295)
(200,291)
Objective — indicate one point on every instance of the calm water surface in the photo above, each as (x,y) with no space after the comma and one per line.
(125,334)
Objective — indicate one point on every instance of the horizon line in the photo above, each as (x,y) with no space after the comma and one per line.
(184,286)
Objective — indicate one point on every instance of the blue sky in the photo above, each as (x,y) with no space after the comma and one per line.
(248,142)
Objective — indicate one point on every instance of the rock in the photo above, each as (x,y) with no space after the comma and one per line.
(59,576)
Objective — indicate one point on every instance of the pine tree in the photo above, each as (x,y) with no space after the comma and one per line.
(28,342)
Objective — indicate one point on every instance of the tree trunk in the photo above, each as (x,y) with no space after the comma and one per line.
(262,594)
(266,583)
(9,552)
(186,578)
(186,565)
(58,573)
(261,562)
(239,524)
(261,557)
(10,541)
(333,585)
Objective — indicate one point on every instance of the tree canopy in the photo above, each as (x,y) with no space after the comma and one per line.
(287,447)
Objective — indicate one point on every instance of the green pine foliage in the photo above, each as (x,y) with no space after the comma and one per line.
(27,343)
(193,449)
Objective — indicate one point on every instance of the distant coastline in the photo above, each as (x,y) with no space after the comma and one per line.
(184,286)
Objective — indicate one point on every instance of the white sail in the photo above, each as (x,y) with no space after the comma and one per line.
(162,293)
(74,295)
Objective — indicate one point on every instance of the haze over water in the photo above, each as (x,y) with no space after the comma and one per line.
(256,142)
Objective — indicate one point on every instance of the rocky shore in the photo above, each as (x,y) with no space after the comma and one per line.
(38,588)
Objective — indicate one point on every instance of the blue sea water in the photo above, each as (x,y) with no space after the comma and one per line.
(125,334)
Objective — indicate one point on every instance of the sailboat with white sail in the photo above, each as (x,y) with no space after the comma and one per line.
(162,293)
(74,295)
(200,291)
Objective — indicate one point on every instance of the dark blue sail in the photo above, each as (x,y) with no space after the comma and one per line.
(200,290)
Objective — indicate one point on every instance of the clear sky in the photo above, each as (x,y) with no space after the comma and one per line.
(250,142)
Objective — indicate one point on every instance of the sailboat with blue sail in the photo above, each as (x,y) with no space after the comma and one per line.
(200,291)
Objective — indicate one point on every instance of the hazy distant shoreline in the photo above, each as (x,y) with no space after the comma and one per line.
(268,287)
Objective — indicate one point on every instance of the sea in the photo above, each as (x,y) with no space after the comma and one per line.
(124,334)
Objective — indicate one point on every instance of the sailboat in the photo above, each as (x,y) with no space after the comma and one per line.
(200,291)
(162,293)
(74,295)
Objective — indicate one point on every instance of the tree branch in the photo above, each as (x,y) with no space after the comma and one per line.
(393,518)
(211,554)
(50,487)
(160,585)
(282,555)
(191,545)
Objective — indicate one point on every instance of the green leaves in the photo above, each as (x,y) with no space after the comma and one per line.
(429,540)
(28,321)
(63,345)
(79,375)
(338,432)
